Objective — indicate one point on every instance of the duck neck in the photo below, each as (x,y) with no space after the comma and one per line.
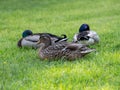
(42,46)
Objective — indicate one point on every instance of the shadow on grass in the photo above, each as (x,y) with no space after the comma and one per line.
(116,47)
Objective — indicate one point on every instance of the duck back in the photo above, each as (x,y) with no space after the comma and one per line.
(64,50)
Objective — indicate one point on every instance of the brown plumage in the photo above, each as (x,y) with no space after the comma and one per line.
(60,50)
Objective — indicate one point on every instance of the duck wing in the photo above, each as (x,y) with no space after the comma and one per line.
(83,36)
(58,45)
(56,38)
(83,49)
(53,51)
(74,46)
(53,37)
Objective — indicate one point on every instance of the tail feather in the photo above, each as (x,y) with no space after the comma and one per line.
(87,51)
(64,36)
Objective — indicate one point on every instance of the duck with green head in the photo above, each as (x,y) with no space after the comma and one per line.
(30,40)
(60,50)
(86,36)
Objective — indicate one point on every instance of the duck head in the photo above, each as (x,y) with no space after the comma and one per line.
(44,41)
(84,27)
(26,33)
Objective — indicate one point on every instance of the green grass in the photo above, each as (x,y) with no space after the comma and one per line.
(21,69)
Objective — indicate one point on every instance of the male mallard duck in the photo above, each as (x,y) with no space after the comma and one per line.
(86,36)
(30,40)
(62,49)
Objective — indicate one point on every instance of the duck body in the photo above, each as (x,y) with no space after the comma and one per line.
(30,39)
(86,36)
(62,50)
(91,37)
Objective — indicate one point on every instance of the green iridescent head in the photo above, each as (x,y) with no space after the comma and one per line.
(26,33)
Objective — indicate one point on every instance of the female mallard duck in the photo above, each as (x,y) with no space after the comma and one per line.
(86,36)
(30,40)
(62,49)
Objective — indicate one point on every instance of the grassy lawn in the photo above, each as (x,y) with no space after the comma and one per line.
(21,69)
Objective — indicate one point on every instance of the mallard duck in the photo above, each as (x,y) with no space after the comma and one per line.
(59,50)
(86,36)
(30,40)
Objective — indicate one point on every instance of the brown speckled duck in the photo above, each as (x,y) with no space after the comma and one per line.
(30,40)
(61,50)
